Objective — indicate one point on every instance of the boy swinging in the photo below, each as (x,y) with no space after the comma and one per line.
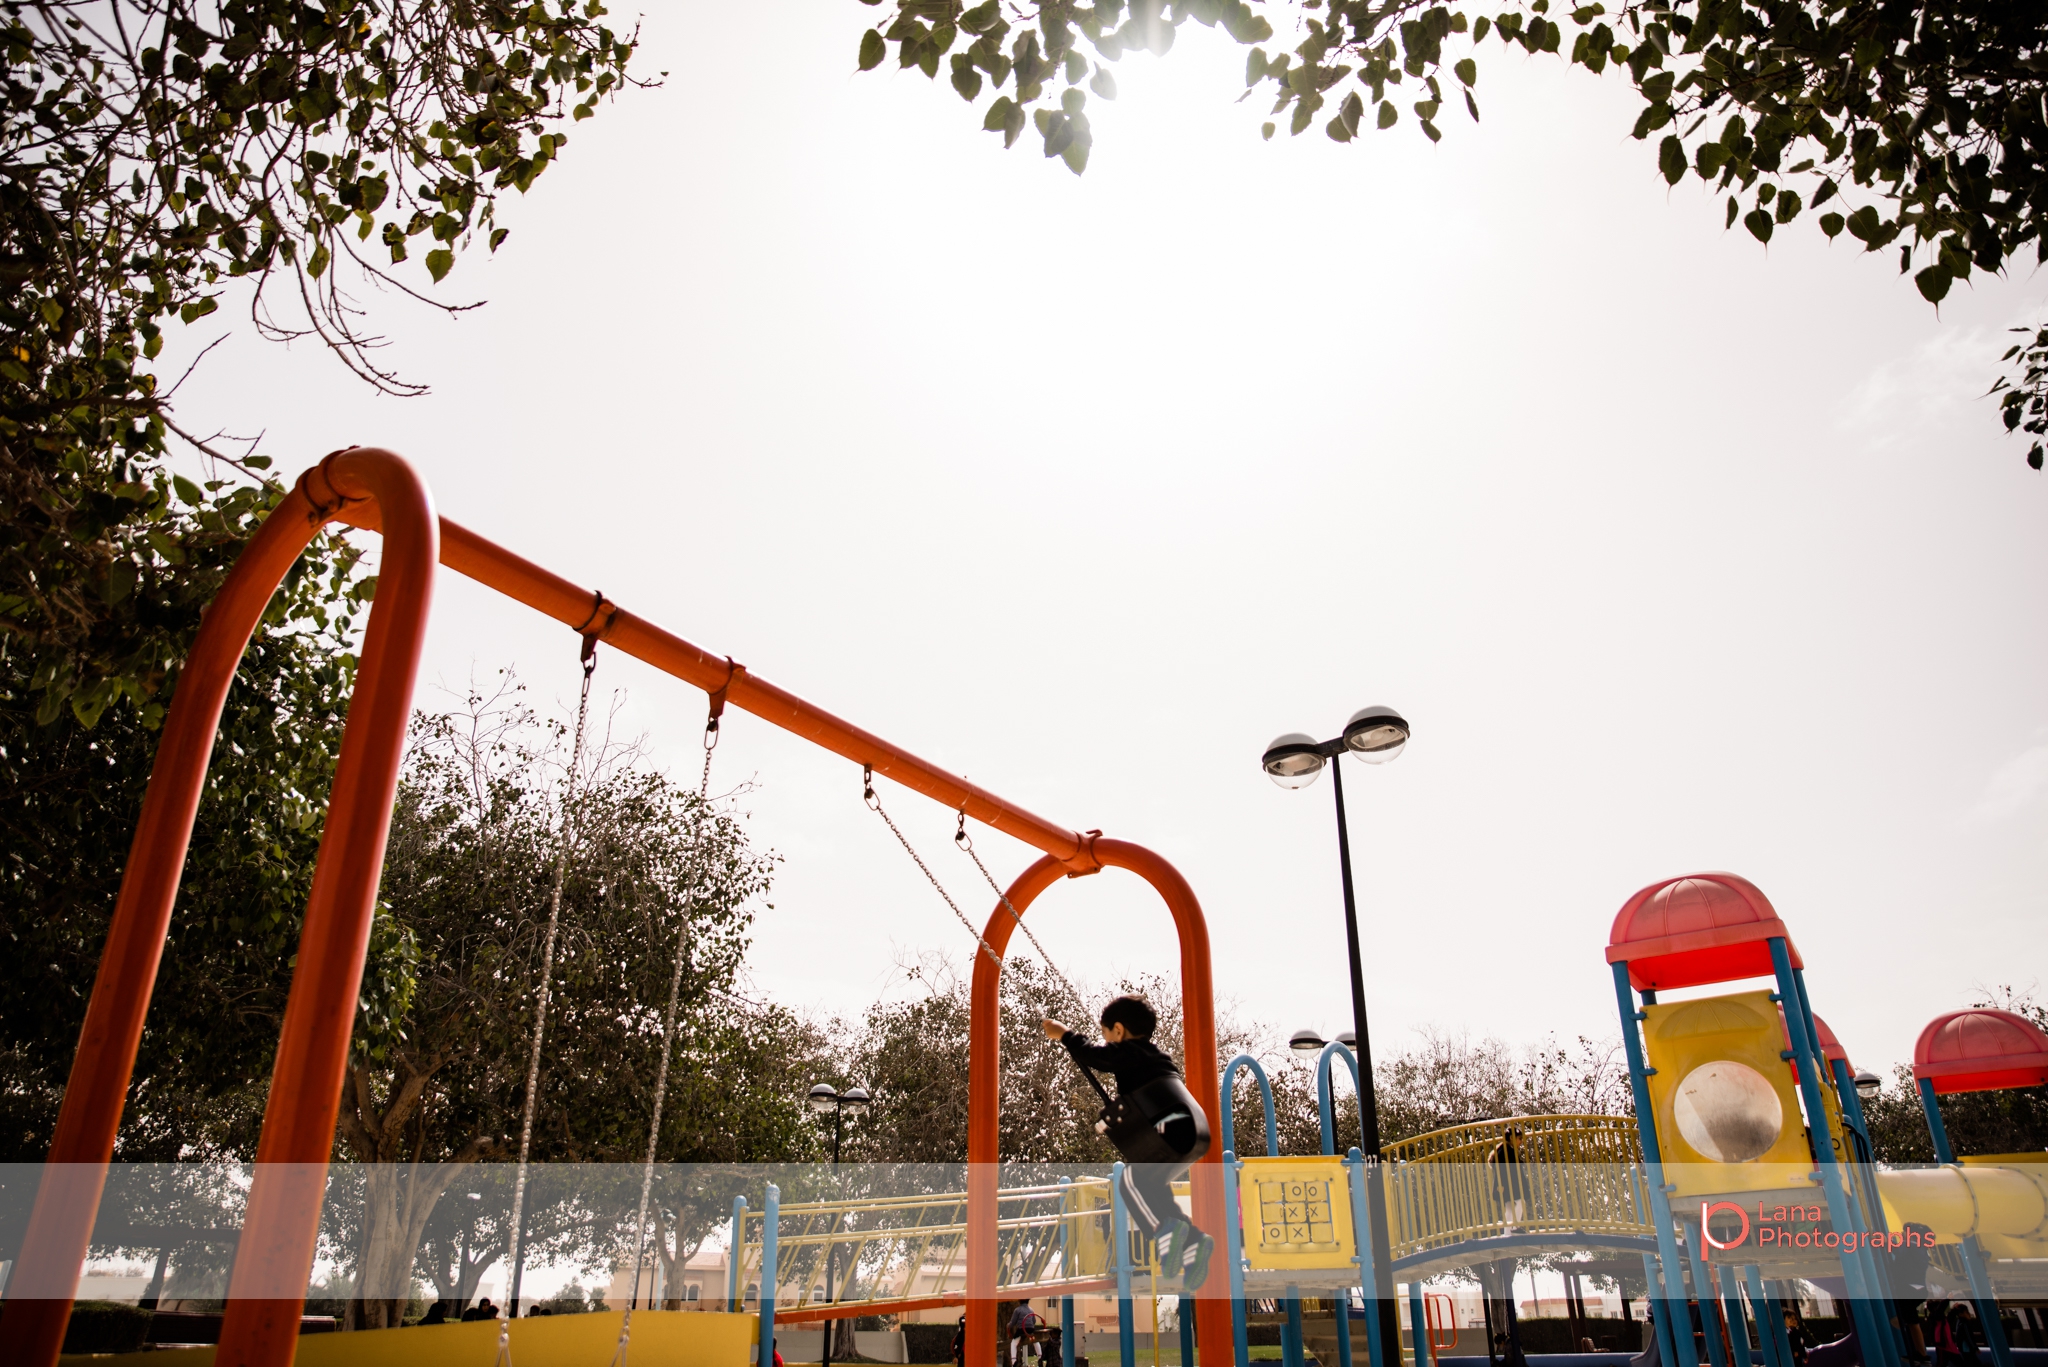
(1154,1123)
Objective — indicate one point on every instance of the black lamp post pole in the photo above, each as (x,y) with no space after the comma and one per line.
(831,1249)
(1368,1102)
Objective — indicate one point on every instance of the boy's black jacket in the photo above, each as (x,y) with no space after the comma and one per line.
(1133,1063)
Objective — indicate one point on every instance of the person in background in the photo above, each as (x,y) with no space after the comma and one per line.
(1955,1338)
(960,1343)
(1796,1335)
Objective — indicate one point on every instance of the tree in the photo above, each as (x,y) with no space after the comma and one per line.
(69,798)
(437,1080)
(159,158)
(1921,125)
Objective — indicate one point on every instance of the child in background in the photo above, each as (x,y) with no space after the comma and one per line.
(1128,1054)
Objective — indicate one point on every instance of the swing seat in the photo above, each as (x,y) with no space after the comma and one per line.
(1136,1123)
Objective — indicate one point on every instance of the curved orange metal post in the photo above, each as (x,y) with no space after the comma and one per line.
(320,1012)
(984,1103)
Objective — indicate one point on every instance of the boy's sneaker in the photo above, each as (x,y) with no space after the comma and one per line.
(1170,1247)
(1194,1259)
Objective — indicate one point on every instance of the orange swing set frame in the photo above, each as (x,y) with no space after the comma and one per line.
(379,491)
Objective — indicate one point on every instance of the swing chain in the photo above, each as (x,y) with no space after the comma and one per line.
(668,1035)
(547,968)
(874,805)
(966,844)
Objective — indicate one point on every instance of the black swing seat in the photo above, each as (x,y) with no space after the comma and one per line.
(1145,1124)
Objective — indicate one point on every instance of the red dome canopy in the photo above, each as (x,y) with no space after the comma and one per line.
(1702,928)
(1981,1050)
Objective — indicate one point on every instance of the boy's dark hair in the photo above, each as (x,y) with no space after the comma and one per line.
(1134,1014)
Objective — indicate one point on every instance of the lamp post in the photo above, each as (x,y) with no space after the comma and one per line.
(827,1099)
(1374,735)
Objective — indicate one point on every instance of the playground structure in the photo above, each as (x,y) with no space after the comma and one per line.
(1709,1076)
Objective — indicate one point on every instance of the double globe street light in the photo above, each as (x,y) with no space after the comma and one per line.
(1374,735)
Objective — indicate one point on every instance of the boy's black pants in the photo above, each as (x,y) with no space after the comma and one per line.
(1148,1196)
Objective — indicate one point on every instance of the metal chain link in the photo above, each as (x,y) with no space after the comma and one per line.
(874,803)
(966,843)
(547,969)
(668,1035)
(961,839)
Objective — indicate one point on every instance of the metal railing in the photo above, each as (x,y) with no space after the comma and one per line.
(1527,1175)
(885,1251)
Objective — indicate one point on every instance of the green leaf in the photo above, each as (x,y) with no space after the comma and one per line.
(1788,206)
(873,51)
(1934,282)
(1671,159)
(198,309)
(1758,221)
(439,262)
(1388,114)
(187,490)
(1467,70)
(1266,131)
(498,236)
(998,115)
(317,262)
(966,80)
(1733,210)
(1103,84)
(1255,66)
(1831,224)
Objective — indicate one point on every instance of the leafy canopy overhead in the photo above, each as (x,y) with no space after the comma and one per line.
(1923,126)
(161,157)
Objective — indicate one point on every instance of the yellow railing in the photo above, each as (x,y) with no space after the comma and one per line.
(1528,1175)
(891,1249)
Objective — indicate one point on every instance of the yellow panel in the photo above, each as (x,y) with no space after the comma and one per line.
(1726,1111)
(1296,1213)
(675,1338)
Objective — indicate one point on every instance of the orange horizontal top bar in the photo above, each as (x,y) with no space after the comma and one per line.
(467,553)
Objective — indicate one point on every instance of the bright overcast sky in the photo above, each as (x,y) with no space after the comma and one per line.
(1678,554)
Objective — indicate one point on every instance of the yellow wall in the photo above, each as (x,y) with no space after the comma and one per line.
(1742,1028)
(671,1338)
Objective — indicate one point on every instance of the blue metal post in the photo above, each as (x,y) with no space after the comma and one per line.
(1120,1239)
(1066,1273)
(1889,1345)
(1361,1236)
(1233,1170)
(1185,1313)
(771,1219)
(1418,1324)
(1852,1116)
(1326,1113)
(1674,1313)
(1769,1323)
(1233,1254)
(1290,1332)
(1872,1333)
(1973,1257)
(1723,1280)
(1660,1315)
(1703,1294)
(739,1245)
